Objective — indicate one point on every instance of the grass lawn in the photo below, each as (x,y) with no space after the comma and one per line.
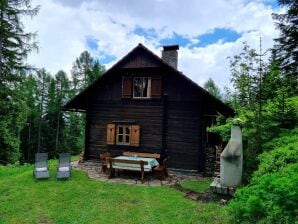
(82,200)
(195,185)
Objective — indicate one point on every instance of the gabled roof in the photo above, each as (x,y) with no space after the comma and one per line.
(80,97)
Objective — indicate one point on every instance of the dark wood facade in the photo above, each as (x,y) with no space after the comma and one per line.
(172,121)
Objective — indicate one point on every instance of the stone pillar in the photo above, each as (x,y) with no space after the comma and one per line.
(231,159)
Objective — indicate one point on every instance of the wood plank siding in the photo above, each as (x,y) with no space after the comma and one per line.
(183,132)
(168,116)
(108,112)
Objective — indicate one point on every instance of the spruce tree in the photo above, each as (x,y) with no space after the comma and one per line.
(85,70)
(62,90)
(81,69)
(211,87)
(43,80)
(286,44)
(15,44)
(29,132)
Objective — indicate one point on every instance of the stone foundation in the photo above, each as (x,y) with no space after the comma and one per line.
(210,161)
(216,187)
(218,149)
(93,170)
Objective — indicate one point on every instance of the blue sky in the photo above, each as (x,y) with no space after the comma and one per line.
(206,31)
(217,35)
(92,44)
(212,37)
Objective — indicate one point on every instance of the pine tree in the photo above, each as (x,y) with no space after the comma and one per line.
(261,100)
(15,44)
(49,121)
(85,70)
(96,71)
(29,132)
(211,87)
(43,80)
(62,91)
(286,44)
(81,69)
(45,129)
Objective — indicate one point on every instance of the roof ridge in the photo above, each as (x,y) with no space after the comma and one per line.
(141,46)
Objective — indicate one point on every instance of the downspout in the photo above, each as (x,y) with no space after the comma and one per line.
(87,127)
(164,130)
(201,159)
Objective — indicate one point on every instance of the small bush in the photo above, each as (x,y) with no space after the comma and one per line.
(271,198)
(285,137)
(277,159)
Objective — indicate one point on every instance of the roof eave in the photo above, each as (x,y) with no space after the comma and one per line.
(70,105)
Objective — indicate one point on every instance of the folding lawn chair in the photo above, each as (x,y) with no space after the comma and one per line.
(41,168)
(64,167)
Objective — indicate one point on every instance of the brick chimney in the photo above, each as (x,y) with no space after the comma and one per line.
(170,55)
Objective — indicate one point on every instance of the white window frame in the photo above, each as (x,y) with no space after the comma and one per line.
(148,88)
(124,135)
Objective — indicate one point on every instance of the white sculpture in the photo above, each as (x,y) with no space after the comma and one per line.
(231,159)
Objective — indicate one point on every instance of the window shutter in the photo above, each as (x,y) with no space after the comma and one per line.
(126,87)
(135,135)
(111,134)
(156,87)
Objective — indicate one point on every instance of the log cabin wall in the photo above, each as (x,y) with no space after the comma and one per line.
(184,142)
(104,113)
(183,136)
(172,121)
(107,106)
(183,131)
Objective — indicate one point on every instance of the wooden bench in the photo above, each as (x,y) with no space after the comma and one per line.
(142,154)
(139,168)
(103,161)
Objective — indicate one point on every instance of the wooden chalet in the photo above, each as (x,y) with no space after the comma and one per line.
(144,104)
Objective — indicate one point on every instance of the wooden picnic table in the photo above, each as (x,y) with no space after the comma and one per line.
(132,163)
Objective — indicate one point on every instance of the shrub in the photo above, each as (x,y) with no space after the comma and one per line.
(277,159)
(271,198)
(285,137)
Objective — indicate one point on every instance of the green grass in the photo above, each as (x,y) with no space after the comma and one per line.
(82,200)
(196,185)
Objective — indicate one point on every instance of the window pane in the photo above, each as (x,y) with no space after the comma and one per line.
(120,138)
(120,130)
(137,87)
(127,139)
(145,87)
(127,131)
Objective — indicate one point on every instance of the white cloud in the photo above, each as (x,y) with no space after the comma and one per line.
(63,26)
(211,61)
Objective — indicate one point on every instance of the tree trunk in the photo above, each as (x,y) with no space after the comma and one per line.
(57,132)
(40,117)
(29,140)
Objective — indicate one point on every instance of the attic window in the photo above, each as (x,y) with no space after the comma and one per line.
(141,87)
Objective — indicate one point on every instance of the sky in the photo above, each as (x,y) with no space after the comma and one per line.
(206,31)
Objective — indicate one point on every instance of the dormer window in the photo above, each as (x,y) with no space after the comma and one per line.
(141,87)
